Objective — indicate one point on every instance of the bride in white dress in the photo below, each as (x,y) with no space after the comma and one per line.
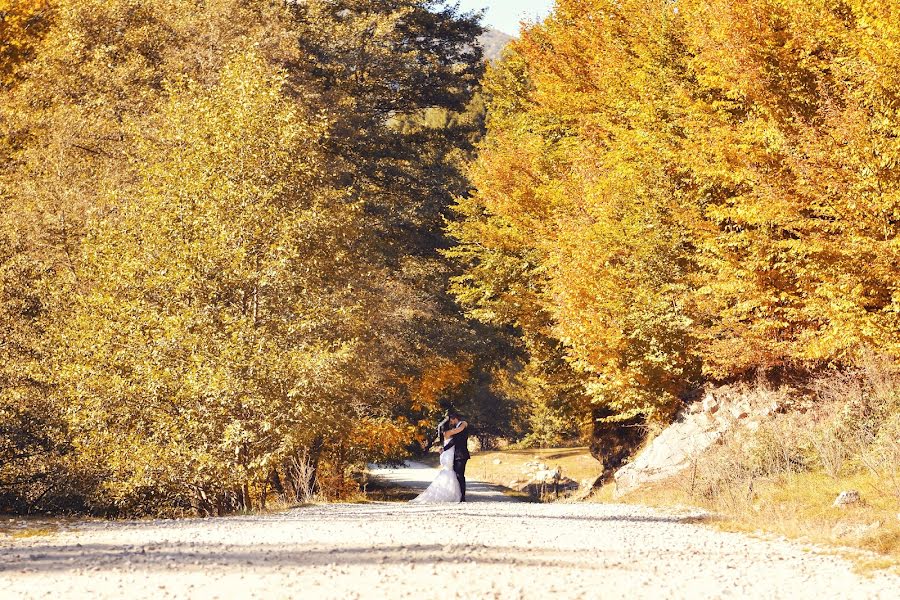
(445,487)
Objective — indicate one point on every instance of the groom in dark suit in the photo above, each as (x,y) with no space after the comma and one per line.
(459,429)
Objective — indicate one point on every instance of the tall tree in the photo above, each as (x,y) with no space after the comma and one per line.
(396,79)
(68,135)
(230,265)
(673,192)
(209,342)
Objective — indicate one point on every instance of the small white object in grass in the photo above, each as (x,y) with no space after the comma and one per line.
(847,498)
(497,461)
(545,475)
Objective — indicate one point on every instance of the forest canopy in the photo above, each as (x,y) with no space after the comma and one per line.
(247,246)
(219,267)
(676,193)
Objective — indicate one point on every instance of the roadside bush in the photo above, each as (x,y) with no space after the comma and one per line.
(849,426)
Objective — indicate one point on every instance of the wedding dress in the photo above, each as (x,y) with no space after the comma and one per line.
(445,487)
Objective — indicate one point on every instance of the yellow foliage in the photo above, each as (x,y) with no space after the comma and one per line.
(700,189)
(22,23)
(217,244)
(199,270)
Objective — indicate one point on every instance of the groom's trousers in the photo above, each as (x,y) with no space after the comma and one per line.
(459,467)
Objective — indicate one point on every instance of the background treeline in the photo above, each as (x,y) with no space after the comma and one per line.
(677,193)
(220,226)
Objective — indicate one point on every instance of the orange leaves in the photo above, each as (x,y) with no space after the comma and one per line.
(789,247)
(439,376)
(381,438)
(712,182)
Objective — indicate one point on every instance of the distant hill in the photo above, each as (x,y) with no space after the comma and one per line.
(494,42)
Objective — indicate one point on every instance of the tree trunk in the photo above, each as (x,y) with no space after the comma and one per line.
(246,500)
(614,441)
(275,482)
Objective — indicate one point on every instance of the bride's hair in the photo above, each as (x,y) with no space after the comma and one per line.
(454,415)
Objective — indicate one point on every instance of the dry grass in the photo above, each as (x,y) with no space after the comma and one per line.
(784,478)
(30,533)
(19,528)
(574,463)
(798,507)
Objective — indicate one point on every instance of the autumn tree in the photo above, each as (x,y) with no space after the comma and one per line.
(797,231)
(68,135)
(676,192)
(206,341)
(219,238)
(397,80)
(569,235)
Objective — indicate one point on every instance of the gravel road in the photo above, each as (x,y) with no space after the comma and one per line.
(388,550)
(417,476)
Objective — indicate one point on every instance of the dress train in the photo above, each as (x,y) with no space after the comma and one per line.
(445,487)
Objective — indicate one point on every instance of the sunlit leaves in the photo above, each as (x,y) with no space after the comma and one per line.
(199,329)
(702,188)
(22,24)
(217,241)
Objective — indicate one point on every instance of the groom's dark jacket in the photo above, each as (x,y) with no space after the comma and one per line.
(460,441)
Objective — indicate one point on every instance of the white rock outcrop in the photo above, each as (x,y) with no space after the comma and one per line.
(695,430)
(546,476)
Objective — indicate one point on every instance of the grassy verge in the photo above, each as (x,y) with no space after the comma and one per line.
(18,528)
(841,433)
(574,463)
(797,506)
(502,467)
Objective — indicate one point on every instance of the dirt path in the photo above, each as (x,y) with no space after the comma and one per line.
(390,550)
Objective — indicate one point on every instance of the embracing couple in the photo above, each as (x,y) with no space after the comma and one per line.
(450,483)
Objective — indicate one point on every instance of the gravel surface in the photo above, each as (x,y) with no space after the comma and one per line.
(389,550)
